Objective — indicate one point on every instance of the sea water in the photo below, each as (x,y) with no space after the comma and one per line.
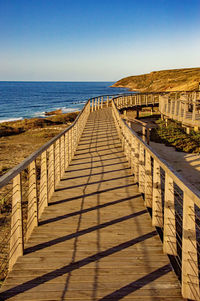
(19,100)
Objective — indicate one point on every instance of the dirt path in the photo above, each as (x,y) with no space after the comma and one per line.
(188,165)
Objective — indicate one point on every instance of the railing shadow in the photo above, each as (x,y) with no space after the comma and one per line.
(18,289)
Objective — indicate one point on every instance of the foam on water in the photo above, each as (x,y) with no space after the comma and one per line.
(10,119)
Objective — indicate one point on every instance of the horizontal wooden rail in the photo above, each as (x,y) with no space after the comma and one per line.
(175,205)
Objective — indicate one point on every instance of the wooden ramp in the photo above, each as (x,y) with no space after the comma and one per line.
(95,240)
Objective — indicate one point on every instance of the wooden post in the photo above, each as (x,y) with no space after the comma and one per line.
(184,112)
(170,107)
(157,215)
(190,272)
(153,100)
(70,145)
(132,154)
(92,104)
(66,150)
(141,168)
(169,233)
(43,202)
(62,154)
(180,110)
(117,101)
(194,110)
(51,173)
(148,189)
(99,102)
(57,162)
(16,235)
(140,99)
(32,220)
(175,107)
(136,160)
(102,102)
(107,101)
(163,99)
(95,104)
(128,145)
(146,99)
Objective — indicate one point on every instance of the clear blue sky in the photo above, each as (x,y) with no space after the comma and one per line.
(75,40)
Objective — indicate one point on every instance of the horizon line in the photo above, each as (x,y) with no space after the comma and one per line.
(65,81)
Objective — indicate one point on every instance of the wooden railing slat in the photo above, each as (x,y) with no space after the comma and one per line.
(16,234)
(169,233)
(43,201)
(32,219)
(190,271)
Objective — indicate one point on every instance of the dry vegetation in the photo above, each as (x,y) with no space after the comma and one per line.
(20,138)
(174,135)
(165,80)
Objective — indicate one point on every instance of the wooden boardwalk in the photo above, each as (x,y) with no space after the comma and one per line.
(95,240)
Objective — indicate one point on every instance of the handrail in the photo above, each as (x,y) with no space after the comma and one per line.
(192,191)
(174,203)
(29,187)
(4,180)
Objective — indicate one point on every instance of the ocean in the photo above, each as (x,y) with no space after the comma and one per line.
(19,100)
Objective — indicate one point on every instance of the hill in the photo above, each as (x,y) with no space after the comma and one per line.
(164,80)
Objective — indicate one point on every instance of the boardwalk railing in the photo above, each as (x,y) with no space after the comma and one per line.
(30,185)
(137,99)
(27,188)
(185,108)
(174,203)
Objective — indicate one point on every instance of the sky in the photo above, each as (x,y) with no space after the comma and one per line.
(102,40)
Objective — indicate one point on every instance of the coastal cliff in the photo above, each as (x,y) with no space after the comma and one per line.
(164,80)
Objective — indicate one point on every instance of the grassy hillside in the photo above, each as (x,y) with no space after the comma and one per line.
(165,80)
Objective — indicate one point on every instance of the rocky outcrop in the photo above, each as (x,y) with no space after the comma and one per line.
(165,80)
